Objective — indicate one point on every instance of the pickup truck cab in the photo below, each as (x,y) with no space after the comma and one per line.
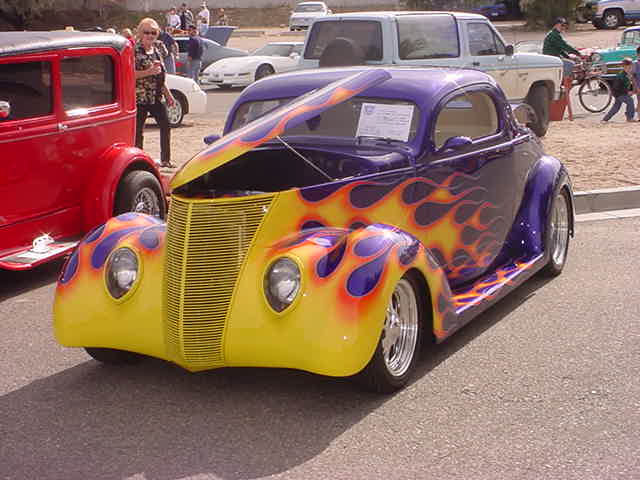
(448,39)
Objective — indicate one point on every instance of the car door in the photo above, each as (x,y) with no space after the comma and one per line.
(471,191)
(487,52)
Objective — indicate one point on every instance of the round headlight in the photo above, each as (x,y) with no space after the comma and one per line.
(282,283)
(595,57)
(122,271)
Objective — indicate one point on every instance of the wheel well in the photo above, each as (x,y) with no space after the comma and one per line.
(179,95)
(618,10)
(548,84)
(573,209)
(425,294)
(133,166)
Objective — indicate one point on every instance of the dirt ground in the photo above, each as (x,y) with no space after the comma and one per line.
(596,155)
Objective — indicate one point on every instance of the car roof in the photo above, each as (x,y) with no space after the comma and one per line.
(424,86)
(204,39)
(15,43)
(392,14)
(631,29)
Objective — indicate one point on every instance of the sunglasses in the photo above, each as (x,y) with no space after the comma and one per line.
(150,33)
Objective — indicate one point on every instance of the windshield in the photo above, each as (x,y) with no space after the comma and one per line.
(309,8)
(631,38)
(274,50)
(359,117)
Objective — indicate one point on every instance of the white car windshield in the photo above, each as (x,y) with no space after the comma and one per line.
(274,50)
(309,8)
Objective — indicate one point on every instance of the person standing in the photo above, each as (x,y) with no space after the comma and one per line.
(186,17)
(151,88)
(171,45)
(204,18)
(222,18)
(194,54)
(636,78)
(621,87)
(173,20)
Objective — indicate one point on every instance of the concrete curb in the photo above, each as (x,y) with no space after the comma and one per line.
(607,199)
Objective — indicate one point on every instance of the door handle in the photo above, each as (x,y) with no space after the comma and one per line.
(475,64)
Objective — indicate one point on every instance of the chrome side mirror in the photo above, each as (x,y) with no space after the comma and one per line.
(525,114)
(5,109)
(209,139)
(455,144)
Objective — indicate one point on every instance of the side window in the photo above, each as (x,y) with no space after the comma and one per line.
(472,115)
(427,36)
(87,81)
(27,88)
(365,35)
(483,41)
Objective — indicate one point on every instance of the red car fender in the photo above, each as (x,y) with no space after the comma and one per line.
(100,193)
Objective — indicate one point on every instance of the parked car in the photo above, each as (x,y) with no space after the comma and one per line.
(347,216)
(615,13)
(495,11)
(274,57)
(67,125)
(212,51)
(305,13)
(190,98)
(612,57)
(451,39)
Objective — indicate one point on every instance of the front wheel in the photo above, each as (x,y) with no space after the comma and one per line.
(397,351)
(538,99)
(264,71)
(140,191)
(612,19)
(113,356)
(176,113)
(595,95)
(557,235)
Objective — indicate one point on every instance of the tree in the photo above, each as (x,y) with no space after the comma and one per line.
(18,13)
(540,13)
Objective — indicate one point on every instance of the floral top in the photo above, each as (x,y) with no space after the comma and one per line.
(149,89)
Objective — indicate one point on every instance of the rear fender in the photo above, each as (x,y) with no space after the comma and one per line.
(100,193)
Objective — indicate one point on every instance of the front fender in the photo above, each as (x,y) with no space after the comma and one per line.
(86,315)
(99,195)
(334,325)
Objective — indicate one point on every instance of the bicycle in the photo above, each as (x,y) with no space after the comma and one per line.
(594,93)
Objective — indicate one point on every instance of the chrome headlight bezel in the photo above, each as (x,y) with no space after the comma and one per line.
(282,283)
(122,272)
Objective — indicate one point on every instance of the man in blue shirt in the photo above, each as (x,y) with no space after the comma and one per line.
(172,47)
(194,54)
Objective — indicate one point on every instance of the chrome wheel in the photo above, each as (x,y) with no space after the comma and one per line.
(612,19)
(146,201)
(175,113)
(559,230)
(595,95)
(400,332)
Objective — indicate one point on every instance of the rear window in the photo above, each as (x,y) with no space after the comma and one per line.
(87,82)
(27,88)
(427,36)
(367,35)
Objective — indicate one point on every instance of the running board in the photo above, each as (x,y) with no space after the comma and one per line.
(28,258)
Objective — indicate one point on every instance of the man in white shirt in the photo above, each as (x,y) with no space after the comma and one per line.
(203,19)
(173,20)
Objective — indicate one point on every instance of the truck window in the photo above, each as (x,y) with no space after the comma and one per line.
(27,88)
(483,40)
(427,36)
(471,114)
(367,35)
(87,81)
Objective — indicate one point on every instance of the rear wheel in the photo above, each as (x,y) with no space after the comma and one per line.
(140,191)
(113,356)
(180,107)
(612,19)
(396,354)
(595,95)
(538,99)
(264,71)
(557,235)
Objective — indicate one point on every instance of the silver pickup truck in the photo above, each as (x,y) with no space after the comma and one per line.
(450,39)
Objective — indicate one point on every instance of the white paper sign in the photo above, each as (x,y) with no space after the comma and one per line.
(385,121)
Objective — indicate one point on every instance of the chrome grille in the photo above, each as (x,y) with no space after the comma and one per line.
(207,243)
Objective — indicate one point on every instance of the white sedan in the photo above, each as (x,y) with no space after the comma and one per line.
(274,57)
(190,98)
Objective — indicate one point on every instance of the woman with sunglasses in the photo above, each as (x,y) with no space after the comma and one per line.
(151,90)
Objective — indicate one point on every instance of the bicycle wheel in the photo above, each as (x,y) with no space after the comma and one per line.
(595,95)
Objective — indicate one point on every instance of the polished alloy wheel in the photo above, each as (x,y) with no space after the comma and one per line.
(146,201)
(559,230)
(175,113)
(400,333)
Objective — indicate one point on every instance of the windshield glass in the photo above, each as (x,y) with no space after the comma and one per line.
(273,50)
(427,36)
(358,117)
(631,38)
(308,8)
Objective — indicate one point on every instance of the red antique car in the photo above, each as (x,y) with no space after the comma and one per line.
(67,125)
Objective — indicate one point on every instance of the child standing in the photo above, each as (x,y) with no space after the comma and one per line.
(622,86)
(636,78)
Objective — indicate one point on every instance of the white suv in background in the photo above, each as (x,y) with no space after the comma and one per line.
(305,13)
(615,13)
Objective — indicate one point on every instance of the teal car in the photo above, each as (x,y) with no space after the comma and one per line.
(613,56)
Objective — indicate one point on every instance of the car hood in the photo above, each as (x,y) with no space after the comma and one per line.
(532,60)
(275,123)
(308,15)
(622,50)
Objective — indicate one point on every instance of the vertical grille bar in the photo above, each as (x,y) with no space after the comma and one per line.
(207,243)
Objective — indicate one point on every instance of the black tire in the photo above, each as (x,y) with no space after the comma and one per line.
(597,24)
(264,71)
(612,19)
(177,112)
(600,86)
(140,191)
(378,376)
(557,235)
(538,99)
(114,357)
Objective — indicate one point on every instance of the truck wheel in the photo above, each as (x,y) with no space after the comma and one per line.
(556,237)
(612,19)
(396,354)
(140,191)
(176,113)
(113,356)
(538,99)
(597,24)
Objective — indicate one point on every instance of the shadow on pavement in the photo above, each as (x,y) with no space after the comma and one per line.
(13,284)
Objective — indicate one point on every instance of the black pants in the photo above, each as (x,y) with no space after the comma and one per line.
(159,112)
